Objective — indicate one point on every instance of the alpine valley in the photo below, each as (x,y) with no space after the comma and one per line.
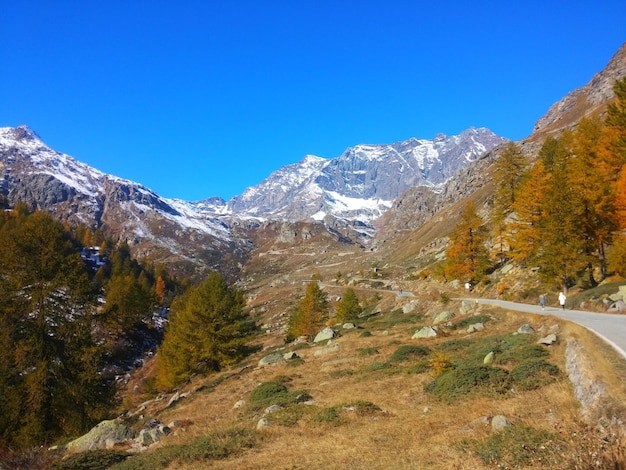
(343,196)
(359,199)
(423,375)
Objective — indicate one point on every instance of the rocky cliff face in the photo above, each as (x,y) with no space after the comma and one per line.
(362,183)
(584,101)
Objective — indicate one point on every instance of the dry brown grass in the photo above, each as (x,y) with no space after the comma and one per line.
(415,431)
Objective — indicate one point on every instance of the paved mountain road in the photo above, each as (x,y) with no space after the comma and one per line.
(610,327)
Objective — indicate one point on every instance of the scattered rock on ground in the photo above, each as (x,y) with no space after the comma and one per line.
(525,329)
(443,316)
(425,332)
(548,340)
(467,306)
(489,358)
(272,359)
(499,422)
(330,348)
(103,436)
(326,334)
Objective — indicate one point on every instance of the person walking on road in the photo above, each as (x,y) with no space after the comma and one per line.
(542,301)
(562,299)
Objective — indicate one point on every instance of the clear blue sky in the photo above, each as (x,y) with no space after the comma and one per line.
(196,99)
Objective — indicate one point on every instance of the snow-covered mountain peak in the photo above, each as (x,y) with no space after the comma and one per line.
(361,183)
(21,133)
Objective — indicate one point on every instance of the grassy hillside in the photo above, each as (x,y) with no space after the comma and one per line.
(376,398)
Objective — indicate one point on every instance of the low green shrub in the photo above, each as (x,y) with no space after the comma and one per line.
(455,345)
(519,447)
(420,367)
(266,394)
(216,446)
(365,408)
(469,380)
(91,460)
(379,366)
(332,415)
(276,393)
(291,415)
(409,352)
(367,352)
(534,374)
(521,354)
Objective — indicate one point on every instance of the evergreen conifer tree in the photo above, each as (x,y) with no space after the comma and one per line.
(208,329)
(309,316)
(348,308)
(50,380)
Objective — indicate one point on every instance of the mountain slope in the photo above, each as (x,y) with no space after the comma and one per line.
(171,231)
(346,193)
(584,101)
(363,182)
(433,214)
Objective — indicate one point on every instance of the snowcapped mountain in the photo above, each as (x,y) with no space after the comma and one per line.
(347,193)
(363,182)
(156,227)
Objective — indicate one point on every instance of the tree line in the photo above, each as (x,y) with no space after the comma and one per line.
(563,213)
(62,324)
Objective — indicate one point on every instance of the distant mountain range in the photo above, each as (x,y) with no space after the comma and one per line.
(407,182)
(363,182)
(354,189)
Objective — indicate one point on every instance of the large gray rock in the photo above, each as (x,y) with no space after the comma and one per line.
(525,329)
(425,332)
(328,349)
(467,306)
(152,435)
(290,356)
(499,422)
(618,306)
(103,436)
(475,327)
(489,358)
(324,335)
(548,340)
(443,316)
(272,359)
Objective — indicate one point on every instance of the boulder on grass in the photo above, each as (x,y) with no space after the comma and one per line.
(326,334)
(102,436)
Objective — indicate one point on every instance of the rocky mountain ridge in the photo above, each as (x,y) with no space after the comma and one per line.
(368,191)
(343,194)
(586,100)
(362,183)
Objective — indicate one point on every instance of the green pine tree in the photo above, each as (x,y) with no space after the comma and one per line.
(348,308)
(208,329)
(50,380)
(309,317)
